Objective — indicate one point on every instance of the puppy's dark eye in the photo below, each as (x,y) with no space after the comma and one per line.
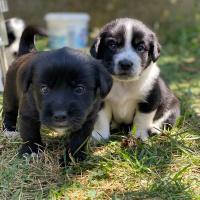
(113,46)
(79,89)
(140,48)
(44,89)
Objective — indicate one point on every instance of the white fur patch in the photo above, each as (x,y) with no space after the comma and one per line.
(10,133)
(128,53)
(36,154)
(144,123)
(102,126)
(156,129)
(61,131)
(123,112)
(129,33)
(142,133)
(33,155)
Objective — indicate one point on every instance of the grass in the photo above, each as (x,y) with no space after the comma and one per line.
(164,167)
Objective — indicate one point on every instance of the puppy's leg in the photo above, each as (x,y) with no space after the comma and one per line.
(144,123)
(9,119)
(78,142)
(29,129)
(168,118)
(102,126)
(10,111)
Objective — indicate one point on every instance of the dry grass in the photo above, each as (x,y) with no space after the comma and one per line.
(165,167)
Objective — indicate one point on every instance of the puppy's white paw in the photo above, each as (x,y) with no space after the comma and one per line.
(36,154)
(143,134)
(10,133)
(98,136)
(155,129)
(33,155)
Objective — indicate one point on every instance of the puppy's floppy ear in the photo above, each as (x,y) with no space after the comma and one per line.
(104,80)
(28,79)
(155,49)
(95,50)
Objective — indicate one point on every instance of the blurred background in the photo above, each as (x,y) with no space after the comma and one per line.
(165,17)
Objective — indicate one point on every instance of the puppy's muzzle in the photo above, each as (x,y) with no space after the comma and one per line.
(125,65)
(60,116)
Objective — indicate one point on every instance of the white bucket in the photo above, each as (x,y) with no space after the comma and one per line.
(67,29)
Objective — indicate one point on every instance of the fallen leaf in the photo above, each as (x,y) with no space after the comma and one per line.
(165,133)
(124,143)
(188,69)
(130,141)
(189,60)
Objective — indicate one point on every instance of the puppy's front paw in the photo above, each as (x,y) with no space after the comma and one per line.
(99,136)
(154,130)
(32,150)
(10,134)
(143,134)
(33,155)
(68,158)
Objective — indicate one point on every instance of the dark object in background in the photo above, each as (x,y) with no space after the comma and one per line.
(60,89)
(15,28)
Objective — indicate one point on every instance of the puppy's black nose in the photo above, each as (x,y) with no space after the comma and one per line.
(60,116)
(125,64)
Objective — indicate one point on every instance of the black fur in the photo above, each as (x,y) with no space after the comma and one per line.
(60,89)
(27,39)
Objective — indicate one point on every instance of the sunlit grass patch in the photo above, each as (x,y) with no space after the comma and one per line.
(163,167)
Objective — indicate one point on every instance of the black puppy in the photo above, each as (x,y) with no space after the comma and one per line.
(139,96)
(60,89)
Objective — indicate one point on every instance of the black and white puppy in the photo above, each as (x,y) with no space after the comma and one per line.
(14,28)
(60,89)
(139,96)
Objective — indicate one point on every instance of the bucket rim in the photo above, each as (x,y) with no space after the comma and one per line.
(66,16)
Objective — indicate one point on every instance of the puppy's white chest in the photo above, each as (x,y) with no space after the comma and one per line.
(124,112)
(122,102)
(123,92)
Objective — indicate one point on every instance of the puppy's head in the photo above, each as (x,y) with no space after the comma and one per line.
(66,84)
(127,47)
